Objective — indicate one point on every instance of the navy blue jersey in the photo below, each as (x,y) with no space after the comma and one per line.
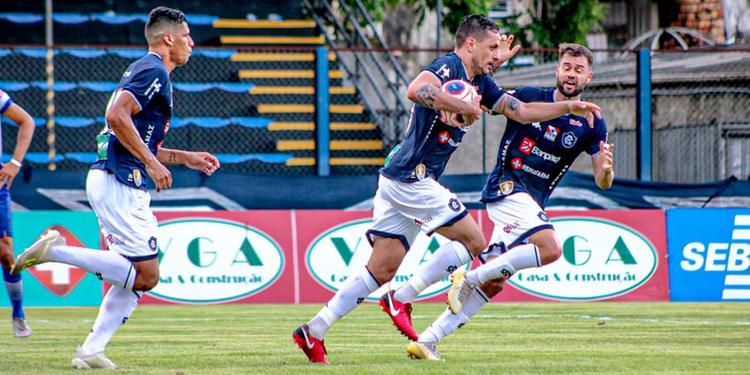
(429,143)
(533,157)
(147,80)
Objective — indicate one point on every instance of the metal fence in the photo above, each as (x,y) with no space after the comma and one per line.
(256,107)
(700,103)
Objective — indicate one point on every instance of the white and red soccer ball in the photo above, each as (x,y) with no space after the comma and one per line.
(460,90)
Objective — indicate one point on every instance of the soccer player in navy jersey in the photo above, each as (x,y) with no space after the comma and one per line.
(129,156)
(410,199)
(9,170)
(531,160)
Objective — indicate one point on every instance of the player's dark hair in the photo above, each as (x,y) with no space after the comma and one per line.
(163,17)
(475,26)
(576,50)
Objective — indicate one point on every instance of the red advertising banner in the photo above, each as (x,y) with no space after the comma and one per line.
(607,255)
(225,257)
(305,256)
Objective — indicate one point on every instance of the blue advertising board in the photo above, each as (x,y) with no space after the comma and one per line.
(709,254)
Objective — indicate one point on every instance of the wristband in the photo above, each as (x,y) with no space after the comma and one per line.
(16,163)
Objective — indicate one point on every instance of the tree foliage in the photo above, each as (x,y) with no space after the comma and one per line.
(559,21)
(453,11)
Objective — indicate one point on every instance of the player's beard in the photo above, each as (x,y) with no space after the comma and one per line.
(578,90)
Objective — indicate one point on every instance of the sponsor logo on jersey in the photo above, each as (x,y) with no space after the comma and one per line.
(569,140)
(551,133)
(575,122)
(506,187)
(544,155)
(444,72)
(526,146)
(153,88)
(543,216)
(516,163)
(444,137)
(536,126)
(535,172)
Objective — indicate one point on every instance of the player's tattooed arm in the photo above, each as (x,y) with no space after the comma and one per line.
(509,106)
(426,95)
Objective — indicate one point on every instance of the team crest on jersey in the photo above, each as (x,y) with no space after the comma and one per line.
(516,163)
(444,137)
(526,146)
(420,171)
(569,139)
(551,133)
(454,204)
(575,122)
(506,187)
(137,180)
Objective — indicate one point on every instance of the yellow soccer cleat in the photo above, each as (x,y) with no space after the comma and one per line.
(459,291)
(423,350)
(37,252)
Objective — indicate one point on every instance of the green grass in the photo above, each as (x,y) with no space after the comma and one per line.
(537,338)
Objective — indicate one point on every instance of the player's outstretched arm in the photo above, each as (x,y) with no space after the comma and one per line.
(425,90)
(200,161)
(25,132)
(119,117)
(602,163)
(527,113)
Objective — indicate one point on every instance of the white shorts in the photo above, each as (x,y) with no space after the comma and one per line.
(402,209)
(125,218)
(516,218)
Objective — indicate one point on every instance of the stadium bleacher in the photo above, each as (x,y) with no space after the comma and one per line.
(250,101)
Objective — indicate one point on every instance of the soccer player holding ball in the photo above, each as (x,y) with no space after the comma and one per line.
(409,198)
(531,160)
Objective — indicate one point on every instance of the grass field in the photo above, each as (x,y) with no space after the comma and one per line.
(537,338)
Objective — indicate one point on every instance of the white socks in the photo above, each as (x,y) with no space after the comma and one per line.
(116,308)
(516,259)
(442,263)
(107,265)
(448,323)
(356,288)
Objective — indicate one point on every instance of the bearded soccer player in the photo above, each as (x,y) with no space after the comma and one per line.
(531,160)
(409,198)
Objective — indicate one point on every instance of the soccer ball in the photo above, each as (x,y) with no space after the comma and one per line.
(461,90)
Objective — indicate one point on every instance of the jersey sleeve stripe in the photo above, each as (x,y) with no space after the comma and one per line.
(134,98)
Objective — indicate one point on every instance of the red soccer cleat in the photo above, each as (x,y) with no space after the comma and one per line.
(314,349)
(400,313)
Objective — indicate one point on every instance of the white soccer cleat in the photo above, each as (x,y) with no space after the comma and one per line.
(21,329)
(82,360)
(423,350)
(37,252)
(459,291)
